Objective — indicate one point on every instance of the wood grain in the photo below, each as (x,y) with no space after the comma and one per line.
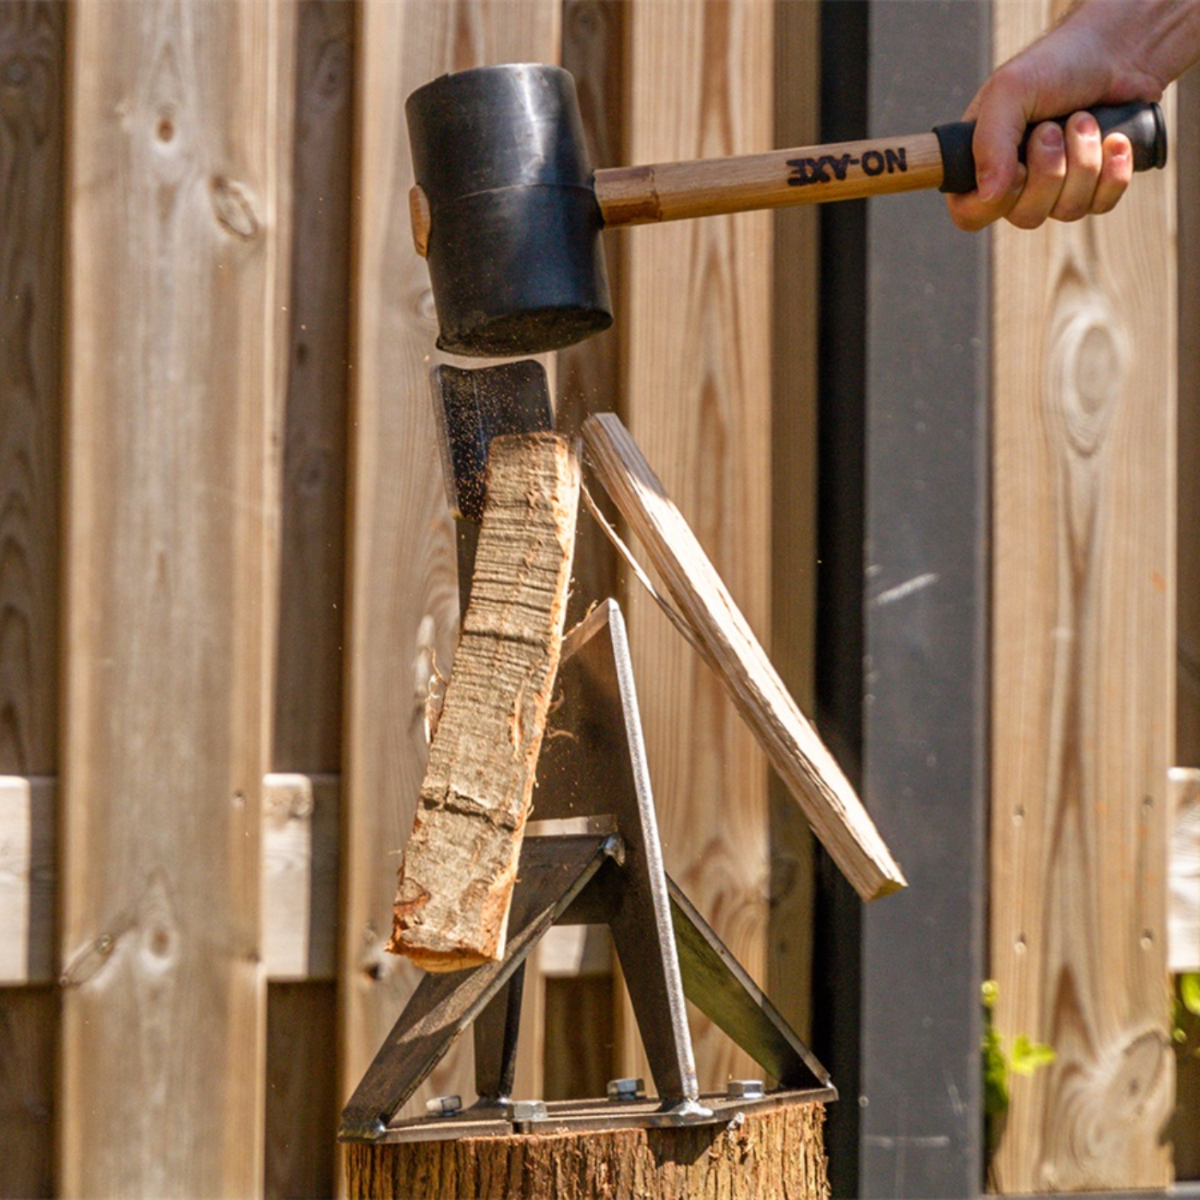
(1186,149)
(307,723)
(794,357)
(697,302)
(725,641)
(27,880)
(299,878)
(1083,683)
(32,188)
(307,735)
(778,1153)
(32,48)
(460,863)
(302,1094)
(179,185)
(28,1045)
(403,594)
(677,191)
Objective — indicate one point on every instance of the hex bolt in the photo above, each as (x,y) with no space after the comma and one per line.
(526,1110)
(744,1089)
(444,1106)
(626,1089)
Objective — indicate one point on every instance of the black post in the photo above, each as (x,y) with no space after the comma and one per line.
(906,1060)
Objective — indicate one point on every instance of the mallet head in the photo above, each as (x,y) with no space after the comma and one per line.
(504,183)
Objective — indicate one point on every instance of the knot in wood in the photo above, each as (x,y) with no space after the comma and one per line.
(1111,1108)
(233,208)
(1088,370)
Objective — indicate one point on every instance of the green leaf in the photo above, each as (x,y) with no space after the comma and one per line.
(990,991)
(1027,1055)
(1189,992)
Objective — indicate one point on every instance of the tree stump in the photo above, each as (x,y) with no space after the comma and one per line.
(777,1153)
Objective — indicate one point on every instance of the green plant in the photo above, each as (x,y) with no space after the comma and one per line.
(1187,1000)
(1023,1056)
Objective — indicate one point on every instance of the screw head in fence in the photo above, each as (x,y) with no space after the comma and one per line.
(626,1089)
(444,1106)
(744,1089)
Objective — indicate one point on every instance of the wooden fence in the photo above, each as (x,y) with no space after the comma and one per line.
(227,570)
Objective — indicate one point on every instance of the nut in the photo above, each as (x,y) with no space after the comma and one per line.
(626,1089)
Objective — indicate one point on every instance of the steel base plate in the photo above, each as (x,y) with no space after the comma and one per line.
(581,1116)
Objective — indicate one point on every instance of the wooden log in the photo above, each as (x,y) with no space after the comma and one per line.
(460,864)
(728,644)
(774,1153)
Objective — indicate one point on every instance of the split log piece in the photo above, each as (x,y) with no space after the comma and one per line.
(792,745)
(456,880)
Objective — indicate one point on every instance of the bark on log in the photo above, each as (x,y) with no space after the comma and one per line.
(460,864)
(773,1154)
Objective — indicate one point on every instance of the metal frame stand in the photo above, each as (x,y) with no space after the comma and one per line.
(593,766)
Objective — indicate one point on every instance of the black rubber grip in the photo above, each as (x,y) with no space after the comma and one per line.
(1143,124)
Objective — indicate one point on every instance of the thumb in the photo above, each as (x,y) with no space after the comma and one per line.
(999,128)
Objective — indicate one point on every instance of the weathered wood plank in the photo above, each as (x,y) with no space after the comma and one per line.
(300,876)
(460,863)
(697,297)
(403,594)
(307,734)
(726,642)
(302,1093)
(1186,149)
(31,206)
(27,878)
(307,724)
(1183,871)
(794,357)
(32,178)
(28,1045)
(1083,627)
(179,185)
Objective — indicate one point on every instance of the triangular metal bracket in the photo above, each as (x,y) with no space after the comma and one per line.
(592,765)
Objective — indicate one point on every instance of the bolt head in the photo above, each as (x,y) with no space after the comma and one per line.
(444,1106)
(744,1089)
(527,1110)
(626,1089)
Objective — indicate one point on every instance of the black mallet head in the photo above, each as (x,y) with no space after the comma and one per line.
(505,205)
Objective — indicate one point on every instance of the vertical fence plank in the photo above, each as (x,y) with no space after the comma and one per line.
(699,397)
(302,1092)
(32,50)
(797,47)
(1083,685)
(180,136)
(1186,1126)
(403,588)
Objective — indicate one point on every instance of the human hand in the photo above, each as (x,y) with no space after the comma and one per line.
(1106,51)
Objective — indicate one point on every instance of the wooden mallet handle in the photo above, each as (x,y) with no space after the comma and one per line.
(844,171)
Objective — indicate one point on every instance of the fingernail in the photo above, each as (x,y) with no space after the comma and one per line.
(990,186)
(1051,137)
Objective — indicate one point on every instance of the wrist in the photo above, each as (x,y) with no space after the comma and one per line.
(1148,43)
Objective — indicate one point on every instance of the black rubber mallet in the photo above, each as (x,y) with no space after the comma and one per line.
(508,211)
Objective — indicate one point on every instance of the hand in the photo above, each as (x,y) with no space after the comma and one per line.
(1104,52)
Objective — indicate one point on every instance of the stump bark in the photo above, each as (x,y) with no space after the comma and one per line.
(766,1155)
